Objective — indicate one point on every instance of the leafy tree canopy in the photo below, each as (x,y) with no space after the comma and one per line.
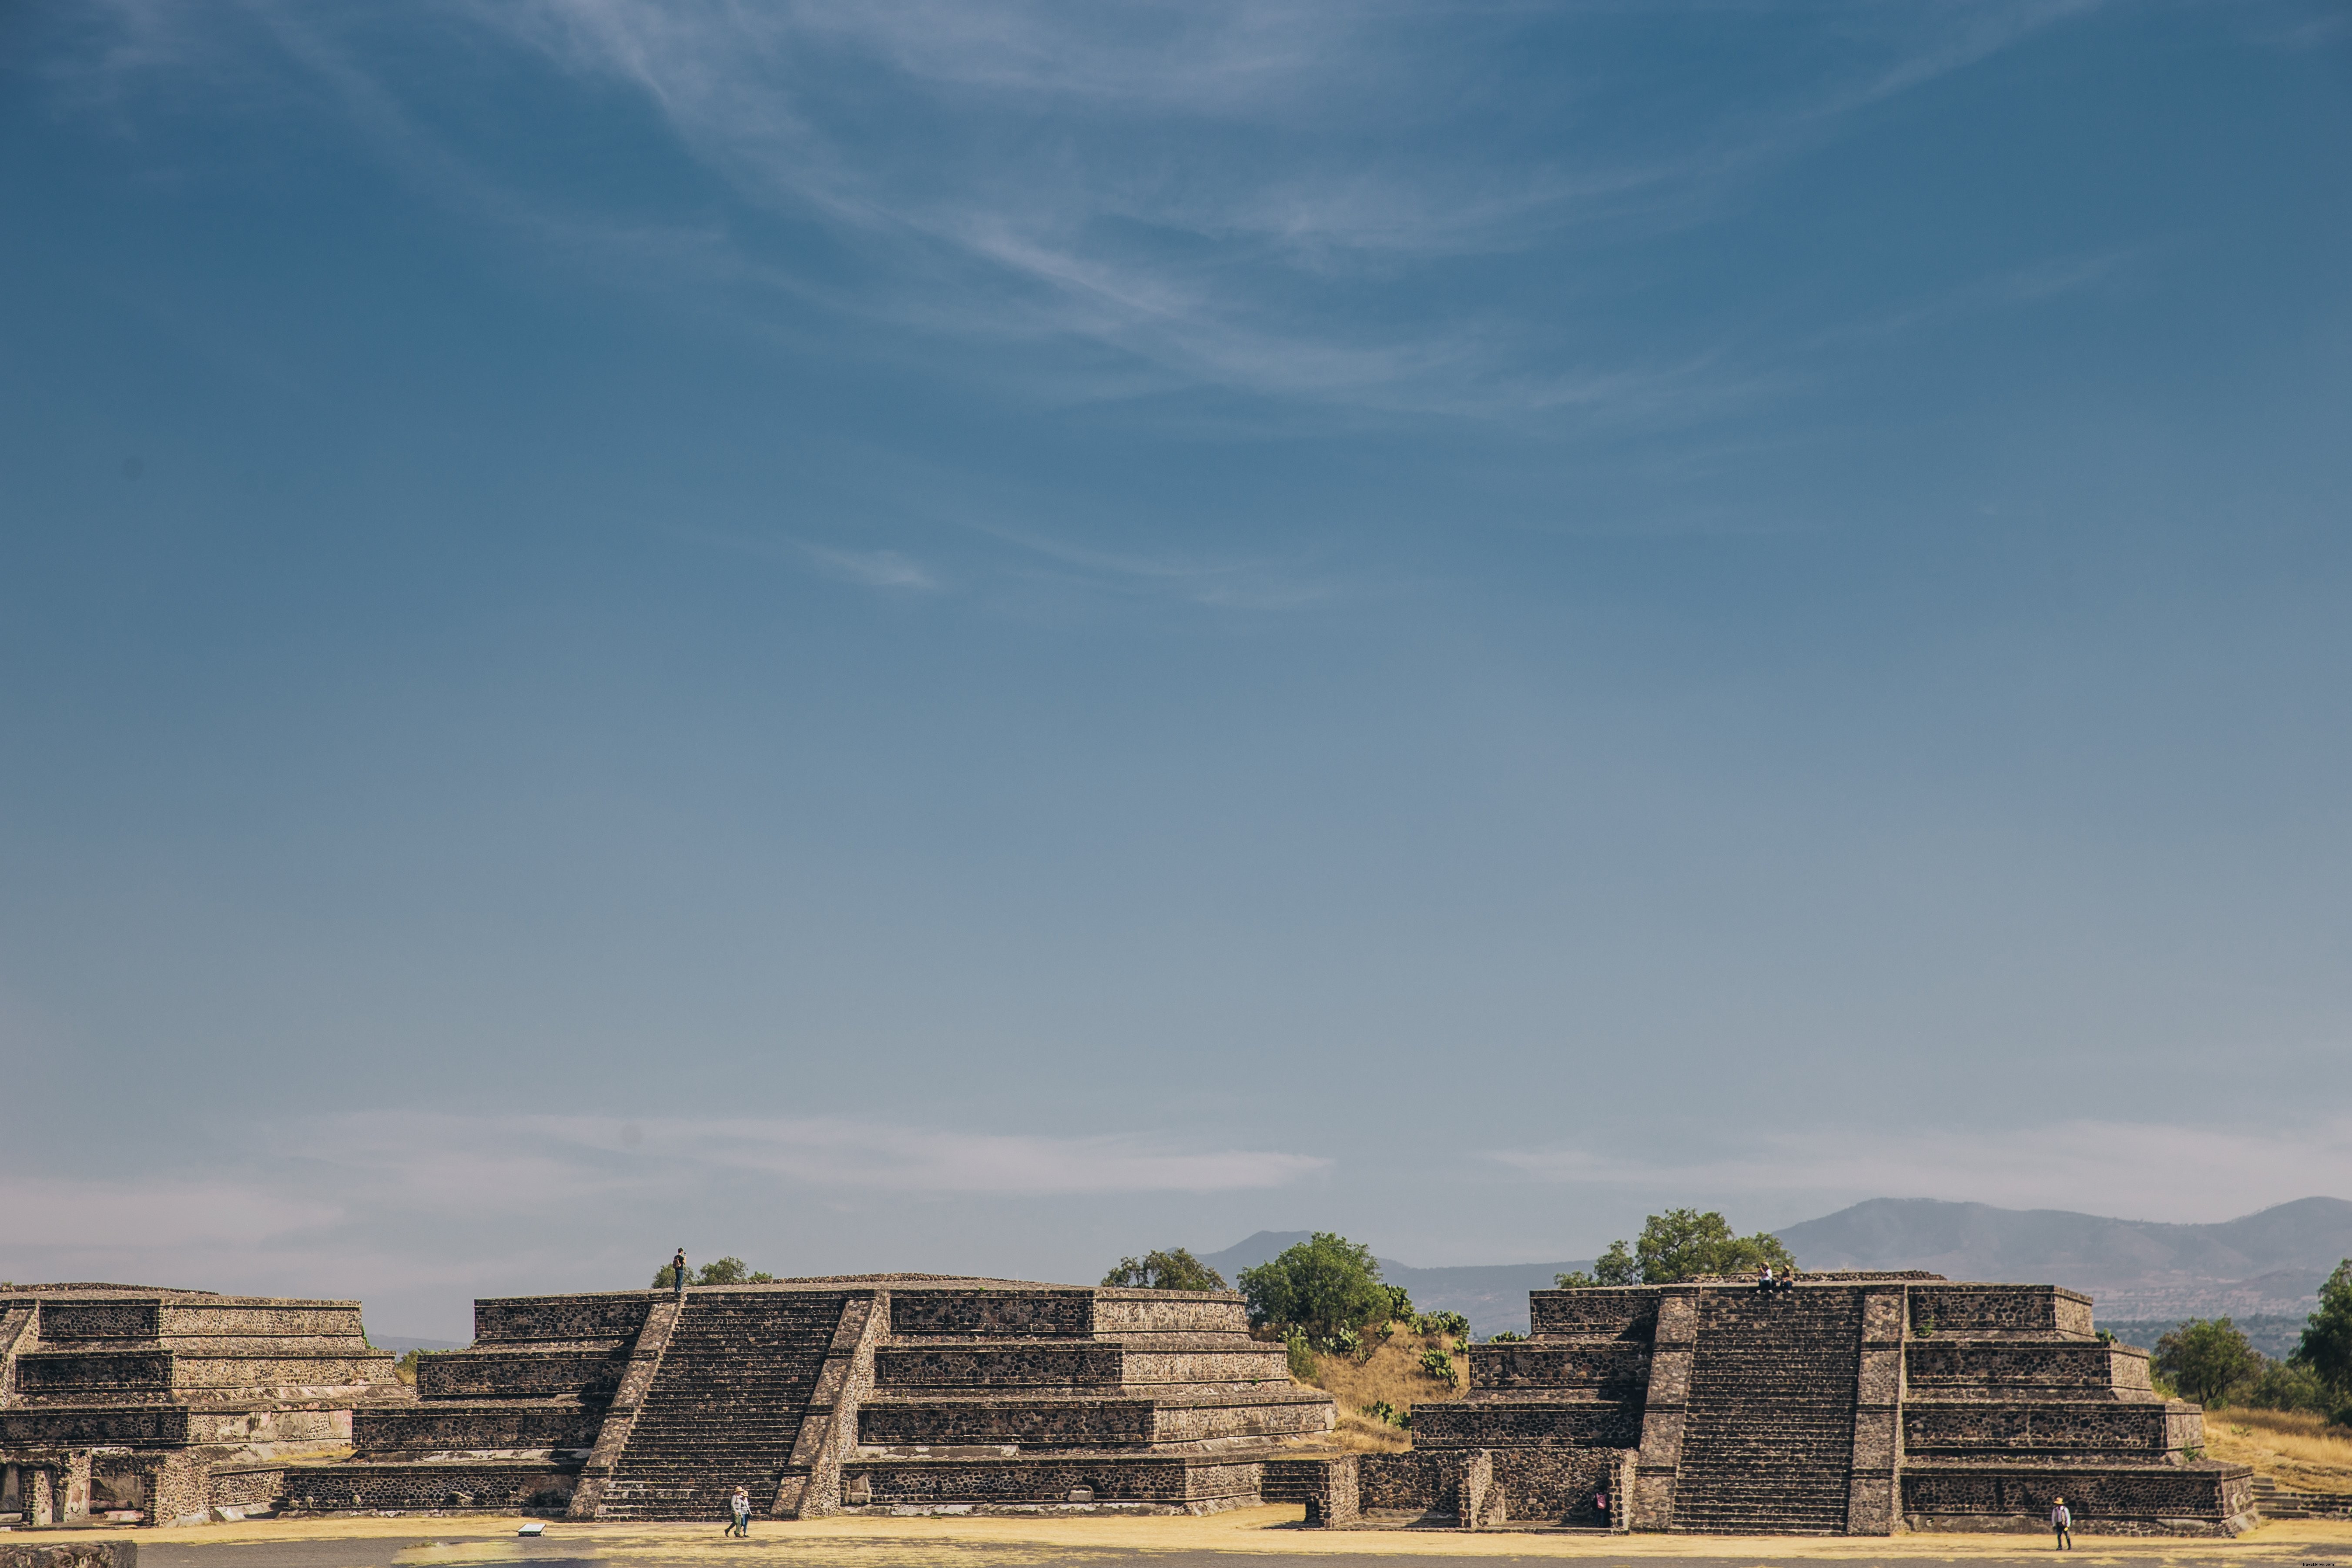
(1682,1244)
(725,1271)
(1321,1286)
(1177,1270)
(2326,1345)
(2205,1358)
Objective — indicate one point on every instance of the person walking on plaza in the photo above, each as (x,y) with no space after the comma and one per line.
(678,1273)
(2061,1525)
(738,1510)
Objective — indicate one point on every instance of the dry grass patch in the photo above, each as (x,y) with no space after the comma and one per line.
(1392,1372)
(2298,1448)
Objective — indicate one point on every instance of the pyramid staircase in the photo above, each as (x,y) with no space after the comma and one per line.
(1769,1435)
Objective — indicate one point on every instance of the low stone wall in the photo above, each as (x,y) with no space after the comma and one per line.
(1179,1312)
(1168,1482)
(428,1430)
(132,1426)
(2204,1499)
(109,1554)
(482,1484)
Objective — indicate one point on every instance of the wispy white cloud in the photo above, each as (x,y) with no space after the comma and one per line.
(888,569)
(459,1159)
(1183,186)
(2130,1169)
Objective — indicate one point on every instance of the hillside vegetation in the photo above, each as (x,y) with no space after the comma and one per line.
(2297,1448)
(1392,1372)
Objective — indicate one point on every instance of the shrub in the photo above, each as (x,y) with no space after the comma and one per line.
(2281,1385)
(1177,1270)
(1453,1323)
(1508,1336)
(1348,1342)
(1438,1363)
(1322,1285)
(1302,1356)
(1400,1303)
(725,1271)
(2205,1358)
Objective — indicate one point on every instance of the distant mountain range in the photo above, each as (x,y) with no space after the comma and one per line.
(2268,1264)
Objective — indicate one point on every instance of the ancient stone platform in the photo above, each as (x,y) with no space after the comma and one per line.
(1852,1405)
(123,1401)
(892,1394)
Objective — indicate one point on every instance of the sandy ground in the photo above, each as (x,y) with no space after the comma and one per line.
(1270,1534)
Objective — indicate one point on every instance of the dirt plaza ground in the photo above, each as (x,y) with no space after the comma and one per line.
(1269,1537)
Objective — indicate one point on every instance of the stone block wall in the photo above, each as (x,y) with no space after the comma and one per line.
(1019,1314)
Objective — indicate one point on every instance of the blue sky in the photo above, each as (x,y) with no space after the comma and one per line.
(978,636)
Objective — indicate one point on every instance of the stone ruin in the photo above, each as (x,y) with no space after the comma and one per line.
(1856,1405)
(124,1401)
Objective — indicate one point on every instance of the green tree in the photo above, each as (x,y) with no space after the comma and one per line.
(1177,1270)
(1682,1244)
(1324,1284)
(2206,1358)
(725,1271)
(2326,1347)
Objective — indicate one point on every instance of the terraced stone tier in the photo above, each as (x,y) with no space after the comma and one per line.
(1607,1312)
(488,1485)
(1524,1423)
(1986,1312)
(581,1369)
(1097,1481)
(1951,1368)
(2199,1498)
(439,1427)
(158,1375)
(2095,1429)
(1602,1368)
(1212,1415)
(902,1365)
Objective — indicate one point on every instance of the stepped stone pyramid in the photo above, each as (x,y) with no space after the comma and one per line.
(126,1401)
(1848,1404)
(890,1392)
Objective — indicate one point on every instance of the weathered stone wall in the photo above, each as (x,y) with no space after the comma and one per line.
(112,1553)
(1627,1312)
(34,1427)
(2135,1501)
(1944,1368)
(613,1315)
(1975,1429)
(1120,1313)
(589,1371)
(1020,1314)
(431,1428)
(482,1484)
(1609,1369)
(1174,1482)
(1976,1311)
(1503,1423)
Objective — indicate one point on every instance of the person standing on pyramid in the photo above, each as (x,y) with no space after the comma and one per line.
(678,1273)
